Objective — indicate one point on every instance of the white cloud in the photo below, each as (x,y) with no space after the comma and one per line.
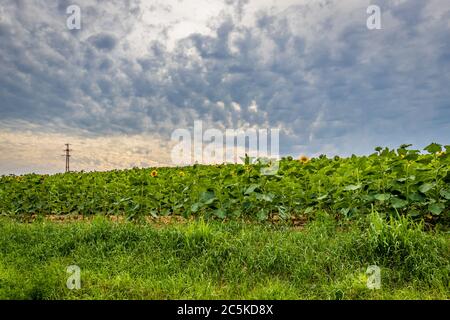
(40,151)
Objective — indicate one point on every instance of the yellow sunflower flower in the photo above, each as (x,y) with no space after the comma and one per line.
(303,159)
(154,173)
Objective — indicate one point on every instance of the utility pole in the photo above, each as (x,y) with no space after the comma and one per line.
(67,155)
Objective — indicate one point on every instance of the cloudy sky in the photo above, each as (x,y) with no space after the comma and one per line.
(137,70)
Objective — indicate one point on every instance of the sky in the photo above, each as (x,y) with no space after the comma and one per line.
(136,71)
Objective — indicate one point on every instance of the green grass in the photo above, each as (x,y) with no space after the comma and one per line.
(223,260)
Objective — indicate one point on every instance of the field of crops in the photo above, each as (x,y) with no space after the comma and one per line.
(392,182)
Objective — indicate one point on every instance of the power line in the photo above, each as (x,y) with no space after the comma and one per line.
(67,155)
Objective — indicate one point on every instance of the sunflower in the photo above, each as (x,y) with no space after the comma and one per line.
(154,173)
(182,174)
(303,159)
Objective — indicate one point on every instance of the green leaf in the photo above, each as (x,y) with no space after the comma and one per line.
(436,208)
(382,196)
(210,201)
(251,189)
(264,197)
(433,148)
(309,210)
(195,207)
(262,215)
(220,213)
(398,203)
(154,213)
(425,161)
(445,194)
(322,197)
(345,211)
(424,188)
(402,152)
(207,196)
(411,157)
(282,212)
(413,213)
(352,187)
(416,197)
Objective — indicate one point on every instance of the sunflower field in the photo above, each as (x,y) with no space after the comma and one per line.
(394,182)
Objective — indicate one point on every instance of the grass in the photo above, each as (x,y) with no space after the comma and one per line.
(223,260)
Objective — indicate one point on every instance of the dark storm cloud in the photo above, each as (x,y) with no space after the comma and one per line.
(313,70)
(103,41)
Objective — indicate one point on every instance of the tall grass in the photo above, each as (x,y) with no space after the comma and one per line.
(212,260)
